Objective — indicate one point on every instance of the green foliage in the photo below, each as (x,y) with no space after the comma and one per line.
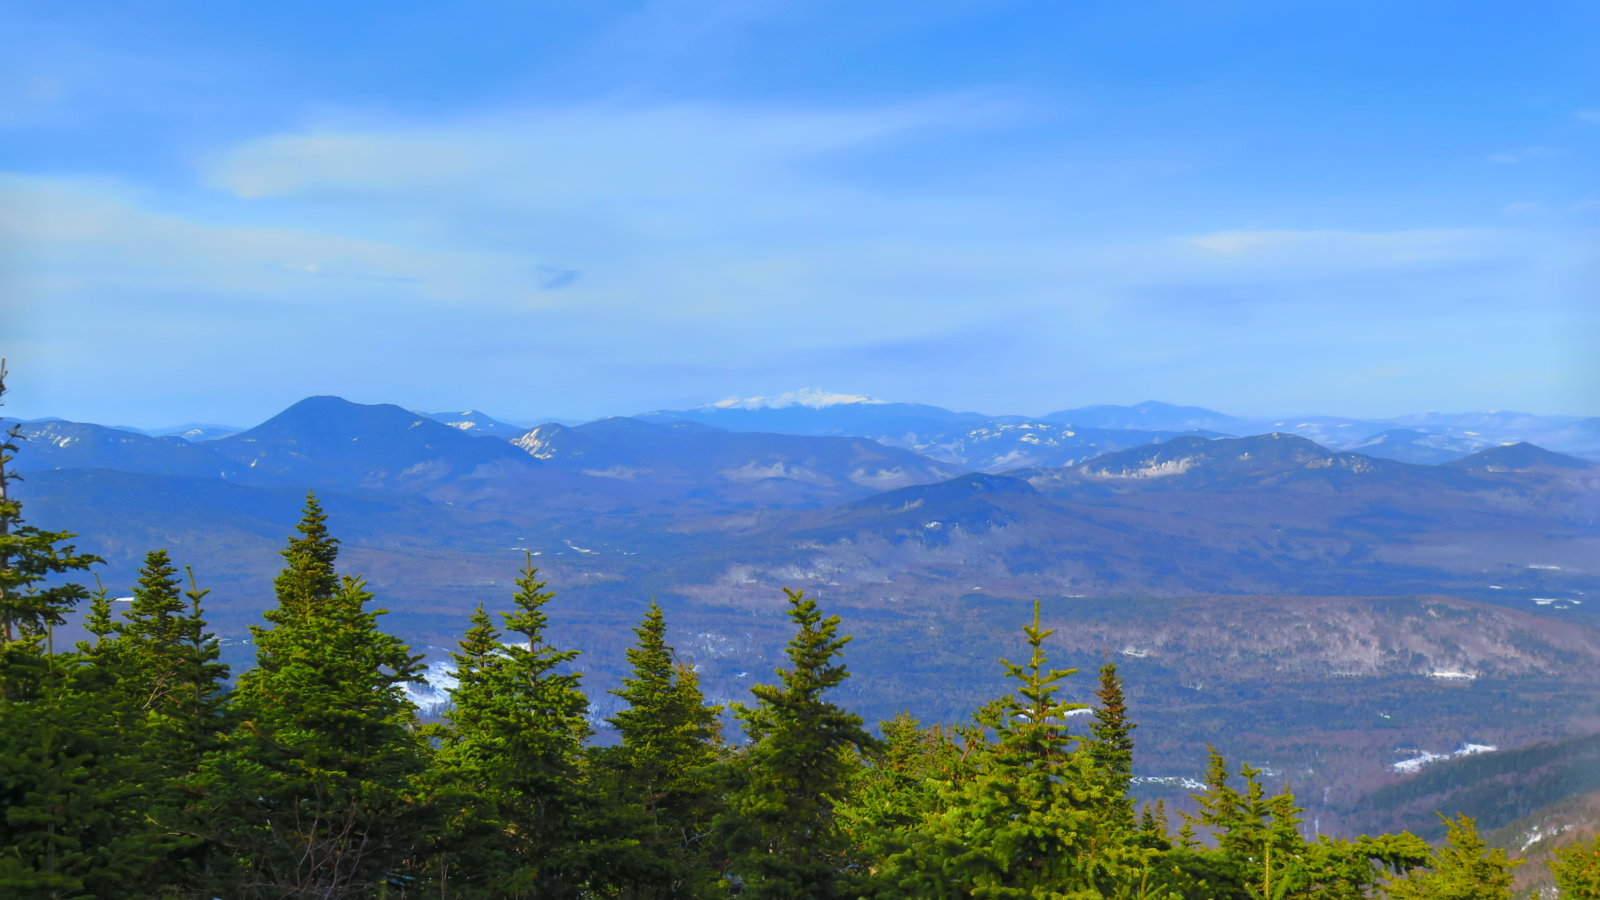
(312,794)
(29,606)
(657,779)
(782,836)
(1576,868)
(520,812)
(74,800)
(1034,821)
(1463,869)
(1112,748)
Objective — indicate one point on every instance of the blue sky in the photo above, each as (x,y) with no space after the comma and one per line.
(570,209)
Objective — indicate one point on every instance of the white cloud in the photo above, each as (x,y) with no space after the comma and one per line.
(1519,155)
(672,246)
(1326,250)
(85,236)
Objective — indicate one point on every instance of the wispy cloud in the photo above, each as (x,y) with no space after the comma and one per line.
(1520,155)
(739,248)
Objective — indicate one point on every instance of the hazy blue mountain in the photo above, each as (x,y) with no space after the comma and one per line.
(1522,457)
(787,469)
(59,444)
(1151,415)
(997,443)
(1196,463)
(1271,513)
(331,441)
(477,423)
(965,440)
(197,431)
(814,413)
(1414,446)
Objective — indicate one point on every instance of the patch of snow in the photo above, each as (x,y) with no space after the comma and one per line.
(1181,781)
(433,697)
(535,444)
(1539,834)
(1154,470)
(1414,764)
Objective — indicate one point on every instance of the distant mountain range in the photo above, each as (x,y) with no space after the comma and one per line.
(995,443)
(1430,578)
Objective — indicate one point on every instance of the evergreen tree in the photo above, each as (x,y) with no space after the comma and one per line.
(1576,868)
(669,738)
(73,823)
(29,608)
(313,793)
(1032,823)
(903,783)
(1112,747)
(1153,826)
(1259,850)
(510,755)
(780,829)
(1463,869)
(150,638)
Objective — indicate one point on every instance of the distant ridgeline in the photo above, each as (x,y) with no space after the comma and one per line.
(132,764)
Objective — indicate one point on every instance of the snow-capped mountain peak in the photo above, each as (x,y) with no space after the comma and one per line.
(815,398)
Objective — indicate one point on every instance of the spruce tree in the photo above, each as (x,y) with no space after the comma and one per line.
(163,671)
(1463,869)
(73,822)
(657,776)
(313,793)
(779,829)
(1576,868)
(511,752)
(1111,751)
(29,608)
(1032,823)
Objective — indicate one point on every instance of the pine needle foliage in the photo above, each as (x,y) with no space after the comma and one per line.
(782,837)
(658,777)
(313,793)
(510,755)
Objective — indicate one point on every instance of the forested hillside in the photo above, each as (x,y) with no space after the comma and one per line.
(134,764)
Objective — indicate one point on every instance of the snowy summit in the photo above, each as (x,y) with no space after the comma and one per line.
(815,398)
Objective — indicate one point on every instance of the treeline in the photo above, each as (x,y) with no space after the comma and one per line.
(129,769)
